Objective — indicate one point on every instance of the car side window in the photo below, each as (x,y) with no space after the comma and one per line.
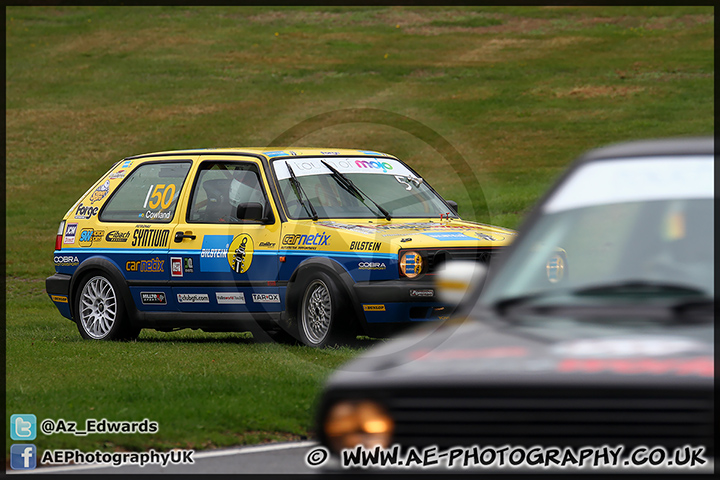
(148,195)
(228,193)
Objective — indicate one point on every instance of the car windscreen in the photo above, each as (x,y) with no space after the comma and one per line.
(339,187)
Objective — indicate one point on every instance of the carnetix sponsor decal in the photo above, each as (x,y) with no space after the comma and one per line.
(193,298)
(240,253)
(153,298)
(374,308)
(59,298)
(66,261)
(422,292)
(371,266)
(266,297)
(228,298)
(100,192)
(367,246)
(115,236)
(85,212)
(176,266)
(70,231)
(154,265)
(188,265)
(145,237)
(298,240)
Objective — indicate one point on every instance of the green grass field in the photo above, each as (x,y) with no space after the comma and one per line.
(517,91)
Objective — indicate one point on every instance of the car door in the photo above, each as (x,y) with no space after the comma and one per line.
(223,254)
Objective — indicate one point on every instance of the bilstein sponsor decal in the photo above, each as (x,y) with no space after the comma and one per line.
(298,240)
(374,308)
(193,298)
(59,298)
(424,292)
(153,298)
(266,297)
(117,236)
(66,261)
(154,265)
(240,253)
(371,266)
(150,238)
(227,298)
(368,246)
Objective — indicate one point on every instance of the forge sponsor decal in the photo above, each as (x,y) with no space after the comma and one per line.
(116,236)
(374,308)
(240,253)
(145,237)
(85,212)
(66,261)
(214,253)
(371,266)
(193,298)
(154,265)
(176,266)
(59,298)
(153,298)
(365,246)
(422,293)
(266,297)
(101,192)
(188,265)
(70,233)
(230,298)
(310,242)
(703,366)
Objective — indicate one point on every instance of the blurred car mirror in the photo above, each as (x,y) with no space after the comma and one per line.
(456,278)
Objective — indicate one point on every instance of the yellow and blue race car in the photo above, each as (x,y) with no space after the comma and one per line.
(319,244)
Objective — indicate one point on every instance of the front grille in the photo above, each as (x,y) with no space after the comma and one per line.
(548,417)
(435,257)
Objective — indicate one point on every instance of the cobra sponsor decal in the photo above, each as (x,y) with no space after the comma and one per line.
(116,236)
(154,265)
(66,261)
(366,246)
(422,292)
(144,237)
(371,266)
(266,297)
(70,232)
(153,298)
(305,241)
(193,298)
(176,266)
(230,298)
(84,212)
(240,253)
(374,308)
(59,298)
(100,192)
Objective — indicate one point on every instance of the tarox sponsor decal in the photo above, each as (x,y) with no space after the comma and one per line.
(266,297)
(193,298)
(176,266)
(366,246)
(59,298)
(66,261)
(422,292)
(85,212)
(145,237)
(70,231)
(153,298)
(227,298)
(374,308)
(296,240)
(240,253)
(116,236)
(371,266)
(154,265)
(100,192)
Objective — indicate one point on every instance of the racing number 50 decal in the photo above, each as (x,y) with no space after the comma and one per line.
(240,253)
(162,196)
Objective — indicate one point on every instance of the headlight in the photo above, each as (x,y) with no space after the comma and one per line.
(366,423)
(411,264)
(555,268)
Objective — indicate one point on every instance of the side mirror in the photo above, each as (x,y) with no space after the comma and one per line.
(454,206)
(250,211)
(456,278)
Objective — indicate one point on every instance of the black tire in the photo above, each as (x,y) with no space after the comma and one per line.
(323,317)
(100,312)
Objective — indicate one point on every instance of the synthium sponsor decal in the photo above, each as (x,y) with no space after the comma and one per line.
(146,237)
(366,246)
(66,261)
(101,192)
(374,308)
(422,292)
(266,297)
(153,298)
(230,298)
(59,298)
(240,253)
(85,212)
(193,298)
(214,253)
(116,236)
(70,232)
(154,265)
(176,266)
(304,241)
(371,266)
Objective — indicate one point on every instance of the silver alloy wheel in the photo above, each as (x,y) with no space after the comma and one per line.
(98,307)
(316,312)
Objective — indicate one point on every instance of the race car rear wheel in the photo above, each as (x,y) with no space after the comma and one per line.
(323,318)
(101,313)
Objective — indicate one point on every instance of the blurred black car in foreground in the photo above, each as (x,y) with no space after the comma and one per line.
(617,350)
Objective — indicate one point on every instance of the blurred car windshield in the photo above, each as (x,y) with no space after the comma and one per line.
(641,229)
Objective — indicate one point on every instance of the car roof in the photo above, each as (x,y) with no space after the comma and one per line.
(660,147)
(268,152)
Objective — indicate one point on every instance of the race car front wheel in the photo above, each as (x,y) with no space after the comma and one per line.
(323,316)
(101,314)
